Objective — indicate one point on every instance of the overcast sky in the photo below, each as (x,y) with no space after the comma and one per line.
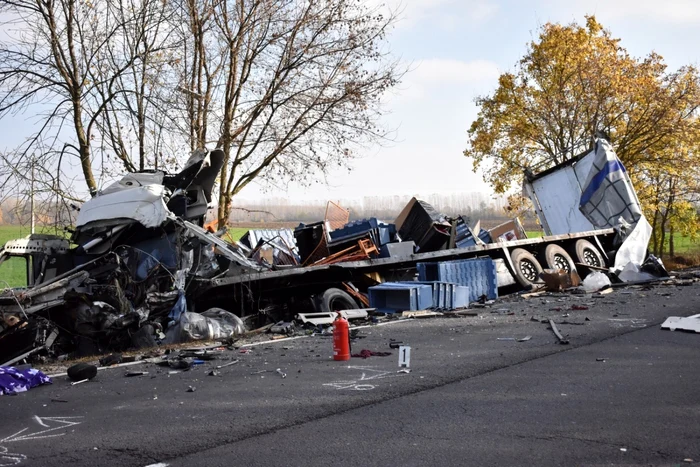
(457,49)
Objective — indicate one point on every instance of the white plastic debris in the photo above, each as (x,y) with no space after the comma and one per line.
(595,281)
(632,273)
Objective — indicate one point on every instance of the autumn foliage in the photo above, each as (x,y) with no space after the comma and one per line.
(576,80)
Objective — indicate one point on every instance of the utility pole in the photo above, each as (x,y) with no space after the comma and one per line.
(31,197)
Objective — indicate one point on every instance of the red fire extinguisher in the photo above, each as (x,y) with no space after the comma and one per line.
(341,339)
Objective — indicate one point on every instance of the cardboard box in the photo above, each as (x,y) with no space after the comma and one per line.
(508,231)
(559,279)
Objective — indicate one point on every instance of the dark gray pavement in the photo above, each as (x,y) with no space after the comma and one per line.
(560,410)
(470,398)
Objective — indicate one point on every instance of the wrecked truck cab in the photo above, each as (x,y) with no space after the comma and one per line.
(151,198)
(140,250)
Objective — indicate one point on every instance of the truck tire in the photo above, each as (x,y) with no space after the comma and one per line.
(586,253)
(81,371)
(527,268)
(555,257)
(335,300)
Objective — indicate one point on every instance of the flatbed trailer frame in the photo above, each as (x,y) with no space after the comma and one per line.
(300,282)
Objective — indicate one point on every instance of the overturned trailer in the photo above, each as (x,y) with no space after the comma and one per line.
(143,269)
(587,207)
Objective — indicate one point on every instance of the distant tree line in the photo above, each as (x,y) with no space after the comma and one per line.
(475,206)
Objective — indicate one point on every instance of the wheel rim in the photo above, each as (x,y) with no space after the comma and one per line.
(339,304)
(560,262)
(528,269)
(590,258)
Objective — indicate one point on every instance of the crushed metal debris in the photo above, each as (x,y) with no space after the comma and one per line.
(143,268)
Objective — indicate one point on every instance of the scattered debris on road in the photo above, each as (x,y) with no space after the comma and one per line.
(690,323)
(556,332)
(365,353)
(146,267)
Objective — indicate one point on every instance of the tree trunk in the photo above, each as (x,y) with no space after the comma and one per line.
(655,233)
(662,239)
(670,211)
(84,148)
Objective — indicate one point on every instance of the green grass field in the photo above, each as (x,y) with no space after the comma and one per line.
(684,245)
(12,271)
(236,232)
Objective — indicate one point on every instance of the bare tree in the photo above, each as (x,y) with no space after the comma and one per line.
(69,60)
(292,87)
(287,88)
(136,118)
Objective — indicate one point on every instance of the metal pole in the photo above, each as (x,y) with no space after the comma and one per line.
(31,198)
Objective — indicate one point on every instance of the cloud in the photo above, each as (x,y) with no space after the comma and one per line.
(483,11)
(439,70)
(670,11)
(441,75)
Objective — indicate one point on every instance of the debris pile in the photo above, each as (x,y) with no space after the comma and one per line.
(140,258)
(143,268)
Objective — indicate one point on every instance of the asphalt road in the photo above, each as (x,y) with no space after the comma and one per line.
(473,397)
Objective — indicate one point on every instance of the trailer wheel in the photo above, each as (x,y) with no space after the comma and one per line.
(527,268)
(587,254)
(335,300)
(557,258)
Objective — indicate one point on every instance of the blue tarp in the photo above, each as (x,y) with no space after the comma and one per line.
(14,381)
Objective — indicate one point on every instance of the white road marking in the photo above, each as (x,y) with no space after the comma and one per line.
(64,422)
(10,458)
(159,464)
(356,385)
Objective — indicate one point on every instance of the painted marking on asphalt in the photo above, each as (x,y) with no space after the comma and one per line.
(10,458)
(159,464)
(63,422)
(368,374)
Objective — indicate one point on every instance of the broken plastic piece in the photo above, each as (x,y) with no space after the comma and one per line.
(557,333)
(283,328)
(226,364)
(111,359)
(691,323)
